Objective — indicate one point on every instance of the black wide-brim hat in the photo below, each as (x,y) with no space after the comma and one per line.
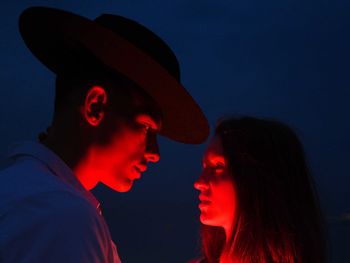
(126,47)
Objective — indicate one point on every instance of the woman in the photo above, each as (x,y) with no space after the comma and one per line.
(257,200)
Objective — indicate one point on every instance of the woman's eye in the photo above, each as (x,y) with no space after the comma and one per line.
(219,166)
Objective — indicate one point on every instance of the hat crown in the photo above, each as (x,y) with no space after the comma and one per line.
(143,39)
(67,43)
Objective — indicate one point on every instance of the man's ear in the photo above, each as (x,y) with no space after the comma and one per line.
(94,105)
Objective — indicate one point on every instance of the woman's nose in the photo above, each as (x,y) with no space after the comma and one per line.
(201,184)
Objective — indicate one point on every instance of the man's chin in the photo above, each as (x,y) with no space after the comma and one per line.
(121,187)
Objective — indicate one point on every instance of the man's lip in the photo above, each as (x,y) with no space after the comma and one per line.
(141,168)
(137,173)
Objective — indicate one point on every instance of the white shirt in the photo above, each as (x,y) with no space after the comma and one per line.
(46,215)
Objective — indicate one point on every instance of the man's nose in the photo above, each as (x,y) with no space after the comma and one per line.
(152,150)
(152,157)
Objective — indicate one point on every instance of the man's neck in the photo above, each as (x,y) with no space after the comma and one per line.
(73,152)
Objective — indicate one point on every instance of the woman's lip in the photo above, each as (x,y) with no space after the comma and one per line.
(204,199)
(204,202)
(203,205)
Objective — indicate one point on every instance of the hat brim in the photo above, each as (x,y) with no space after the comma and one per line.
(50,34)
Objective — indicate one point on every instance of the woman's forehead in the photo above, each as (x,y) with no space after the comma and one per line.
(214,149)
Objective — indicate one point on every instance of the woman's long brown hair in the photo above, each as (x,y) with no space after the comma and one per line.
(279,218)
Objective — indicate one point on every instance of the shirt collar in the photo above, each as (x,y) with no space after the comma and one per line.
(54,163)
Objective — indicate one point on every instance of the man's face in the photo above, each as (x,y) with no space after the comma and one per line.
(126,155)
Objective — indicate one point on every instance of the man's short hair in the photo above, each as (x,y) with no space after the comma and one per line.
(126,97)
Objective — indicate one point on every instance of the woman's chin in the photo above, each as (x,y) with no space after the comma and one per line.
(210,220)
(205,220)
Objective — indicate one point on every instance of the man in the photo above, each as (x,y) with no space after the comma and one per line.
(117,86)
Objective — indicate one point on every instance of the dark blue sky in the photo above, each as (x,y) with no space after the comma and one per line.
(281,59)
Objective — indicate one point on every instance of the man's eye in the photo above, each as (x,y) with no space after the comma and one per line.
(146,128)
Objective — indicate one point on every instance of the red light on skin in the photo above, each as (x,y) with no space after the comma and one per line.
(125,157)
(218,197)
(95,100)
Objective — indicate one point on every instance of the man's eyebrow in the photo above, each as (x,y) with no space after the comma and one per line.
(154,124)
(153,113)
(158,126)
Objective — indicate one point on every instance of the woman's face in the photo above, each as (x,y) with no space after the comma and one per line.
(218,197)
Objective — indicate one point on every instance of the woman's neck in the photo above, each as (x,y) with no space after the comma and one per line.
(228,232)
(226,256)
